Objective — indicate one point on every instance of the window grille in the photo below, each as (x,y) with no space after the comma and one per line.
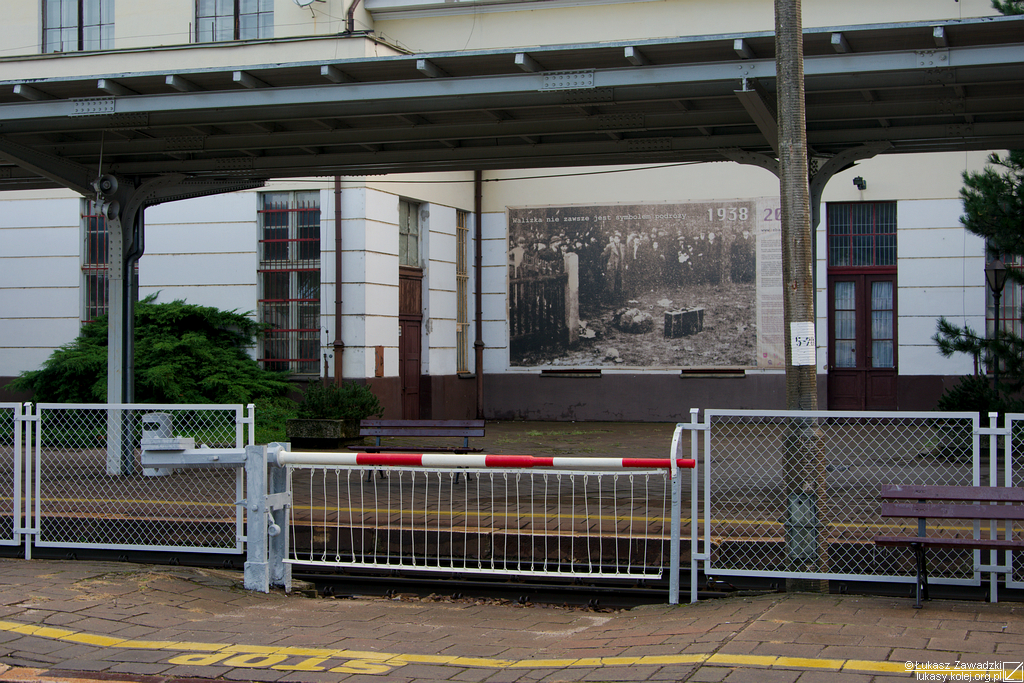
(76,25)
(289,279)
(462,292)
(862,234)
(222,20)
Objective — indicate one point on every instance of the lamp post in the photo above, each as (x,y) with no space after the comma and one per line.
(995,276)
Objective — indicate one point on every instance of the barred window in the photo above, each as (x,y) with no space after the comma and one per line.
(76,25)
(289,281)
(94,263)
(862,234)
(462,292)
(222,20)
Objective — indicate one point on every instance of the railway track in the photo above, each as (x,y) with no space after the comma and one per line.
(604,594)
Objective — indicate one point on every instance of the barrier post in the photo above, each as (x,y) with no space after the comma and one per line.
(677,492)
(278,506)
(694,505)
(256,575)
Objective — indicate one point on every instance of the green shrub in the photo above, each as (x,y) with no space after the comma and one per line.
(272,415)
(975,394)
(349,401)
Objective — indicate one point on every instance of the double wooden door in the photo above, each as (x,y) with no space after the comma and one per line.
(862,341)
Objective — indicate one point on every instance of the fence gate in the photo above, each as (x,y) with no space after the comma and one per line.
(795,494)
(89,488)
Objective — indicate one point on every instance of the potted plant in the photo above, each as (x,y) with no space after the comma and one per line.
(329,415)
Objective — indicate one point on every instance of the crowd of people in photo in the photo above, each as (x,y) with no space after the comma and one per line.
(617,265)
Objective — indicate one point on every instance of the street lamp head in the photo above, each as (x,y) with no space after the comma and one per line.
(995,275)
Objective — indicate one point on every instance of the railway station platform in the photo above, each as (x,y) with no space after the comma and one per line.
(69,621)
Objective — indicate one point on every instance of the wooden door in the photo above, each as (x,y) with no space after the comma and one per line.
(862,342)
(410,352)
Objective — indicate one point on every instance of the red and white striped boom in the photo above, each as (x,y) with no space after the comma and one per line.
(476,460)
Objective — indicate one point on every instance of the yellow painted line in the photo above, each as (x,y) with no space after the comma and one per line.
(881,667)
(421,659)
(543,664)
(271,657)
(808,663)
(152,644)
(92,639)
(107,501)
(748,660)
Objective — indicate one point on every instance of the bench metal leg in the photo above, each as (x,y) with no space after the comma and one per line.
(369,475)
(922,574)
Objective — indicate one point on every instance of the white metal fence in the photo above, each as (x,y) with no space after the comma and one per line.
(84,485)
(11,474)
(482,520)
(795,493)
(775,494)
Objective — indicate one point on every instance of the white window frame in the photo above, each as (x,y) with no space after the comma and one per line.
(292,251)
(81,25)
(219,21)
(409,229)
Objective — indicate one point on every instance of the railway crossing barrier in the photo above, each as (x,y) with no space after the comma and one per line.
(775,494)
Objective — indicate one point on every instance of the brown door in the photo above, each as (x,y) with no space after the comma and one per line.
(410,352)
(862,342)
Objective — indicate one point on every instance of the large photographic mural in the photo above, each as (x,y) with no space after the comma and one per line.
(686,285)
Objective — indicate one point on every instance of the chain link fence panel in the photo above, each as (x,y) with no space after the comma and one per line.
(12,446)
(91,489)
(796,495)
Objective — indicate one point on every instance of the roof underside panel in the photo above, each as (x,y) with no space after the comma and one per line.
(919,87)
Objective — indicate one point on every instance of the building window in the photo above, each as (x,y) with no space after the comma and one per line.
(462,292)
(221,20)
(94,263)
(408,233)
(76,25)
(289,281)
(862,234)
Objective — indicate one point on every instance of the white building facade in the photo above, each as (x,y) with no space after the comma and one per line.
(694,240)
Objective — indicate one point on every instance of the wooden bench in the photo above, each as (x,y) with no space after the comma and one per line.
(462,429)
(957,502)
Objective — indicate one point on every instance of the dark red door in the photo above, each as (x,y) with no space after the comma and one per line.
(409,354)
(410,346)
(862,342)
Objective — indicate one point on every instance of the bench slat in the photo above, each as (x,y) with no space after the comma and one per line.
(375,431)
(424,424)
(1002,494)
(935,542)
(952,511)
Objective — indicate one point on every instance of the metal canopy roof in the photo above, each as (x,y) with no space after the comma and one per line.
(955,85)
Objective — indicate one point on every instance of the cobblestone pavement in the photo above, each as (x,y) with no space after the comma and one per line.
(86,621)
